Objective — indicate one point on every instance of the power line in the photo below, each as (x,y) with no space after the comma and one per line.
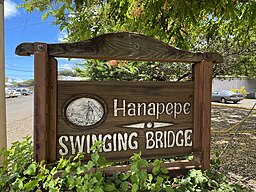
(23,26)
(18,70)
(14,58)
(20,76)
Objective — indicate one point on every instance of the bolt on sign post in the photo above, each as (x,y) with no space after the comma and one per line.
(158,119)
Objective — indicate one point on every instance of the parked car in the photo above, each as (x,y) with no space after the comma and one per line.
(14,93)
(224,96)
(7,92)
(23,91)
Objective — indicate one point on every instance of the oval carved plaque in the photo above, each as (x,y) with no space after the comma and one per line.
(84,112)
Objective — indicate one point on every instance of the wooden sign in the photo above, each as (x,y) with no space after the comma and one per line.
(128,117)
(159,119)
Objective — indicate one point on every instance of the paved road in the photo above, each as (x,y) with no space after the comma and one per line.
(244,104)
(19,118)
(19,108)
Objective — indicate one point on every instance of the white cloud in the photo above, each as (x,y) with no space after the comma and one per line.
(78,60)
(10,9)
(65,66)
(18,79)
(61,36)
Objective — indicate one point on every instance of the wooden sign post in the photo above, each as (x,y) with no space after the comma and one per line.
(158,119)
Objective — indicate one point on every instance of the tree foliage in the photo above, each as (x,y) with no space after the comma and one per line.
(26,83)
(67,72)
(131,71)
(224,26)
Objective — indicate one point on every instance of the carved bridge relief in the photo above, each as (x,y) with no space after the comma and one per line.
(84,112)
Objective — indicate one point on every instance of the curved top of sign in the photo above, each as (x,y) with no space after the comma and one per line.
(120,46)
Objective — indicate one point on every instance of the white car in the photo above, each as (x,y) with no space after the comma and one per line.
(14,93)
(7,92)
(23,91)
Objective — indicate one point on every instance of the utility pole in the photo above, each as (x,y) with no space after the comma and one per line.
(3,138)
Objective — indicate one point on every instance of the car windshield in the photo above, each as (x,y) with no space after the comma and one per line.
(227,92)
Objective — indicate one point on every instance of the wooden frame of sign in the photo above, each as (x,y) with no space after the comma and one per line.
(160,119)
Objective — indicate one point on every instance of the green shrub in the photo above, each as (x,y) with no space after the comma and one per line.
(241,91)
(20,173)
(131,71)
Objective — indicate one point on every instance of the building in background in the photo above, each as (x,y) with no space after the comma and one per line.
(226,83)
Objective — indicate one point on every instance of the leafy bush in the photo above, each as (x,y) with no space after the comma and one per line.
(241,91)
(131,71)
(20,173)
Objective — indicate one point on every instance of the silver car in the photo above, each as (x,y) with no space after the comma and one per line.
(224,96)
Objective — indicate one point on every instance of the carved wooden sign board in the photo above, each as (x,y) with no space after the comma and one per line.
(127,116)
(158,119)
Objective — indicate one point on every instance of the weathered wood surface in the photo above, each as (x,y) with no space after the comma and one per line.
(202,76)
(131,92)
(122,46)
(206,111)
(198,83)
(52,110)
(40,102)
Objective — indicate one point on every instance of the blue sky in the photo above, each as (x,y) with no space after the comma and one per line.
(21,26)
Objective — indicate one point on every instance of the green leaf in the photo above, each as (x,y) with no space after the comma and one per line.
(54,171)
(98,190)
(124,186)
(80,169)
(150,178)
(169,189)
(156,170)
(134,168)
(90,165)
(98,175)
(135,188)
(143,163)
(95,158)
(159,180)
(143,175)
(125,176)
(31,170)
(134,179)
(110,187)
(31,184)
(202,179)
(62,163)
(102,161)
(193,173)
(18,184)
(164,170)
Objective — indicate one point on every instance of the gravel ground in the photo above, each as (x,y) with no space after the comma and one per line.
(16,130)
(238,145)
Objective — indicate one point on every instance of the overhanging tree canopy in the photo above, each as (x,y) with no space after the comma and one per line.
(224,26)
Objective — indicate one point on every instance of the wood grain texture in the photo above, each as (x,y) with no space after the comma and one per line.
(52,110)
(122,46)
(133,92)
(40,102)
(206,110)
(202,77)
(197,71)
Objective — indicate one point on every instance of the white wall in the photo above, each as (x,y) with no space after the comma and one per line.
(250,84)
